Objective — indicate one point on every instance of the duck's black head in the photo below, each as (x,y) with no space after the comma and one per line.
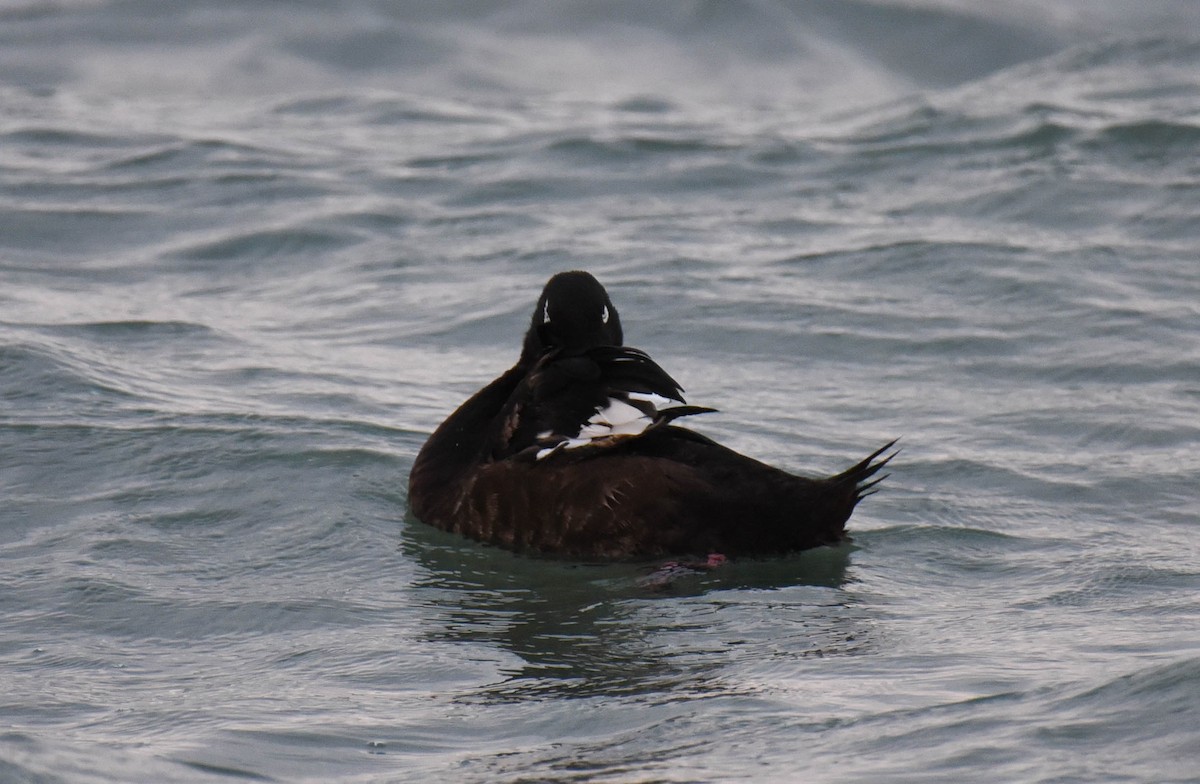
(573,313)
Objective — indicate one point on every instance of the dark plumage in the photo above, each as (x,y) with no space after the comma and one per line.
(572,452)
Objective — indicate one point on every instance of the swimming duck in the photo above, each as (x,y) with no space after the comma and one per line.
(574,452)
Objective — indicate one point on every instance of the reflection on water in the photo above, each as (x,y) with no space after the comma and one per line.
(583,630)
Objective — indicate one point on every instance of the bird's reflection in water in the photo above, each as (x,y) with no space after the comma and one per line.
(602,629)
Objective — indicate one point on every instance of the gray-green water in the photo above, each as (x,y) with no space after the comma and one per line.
(252,253)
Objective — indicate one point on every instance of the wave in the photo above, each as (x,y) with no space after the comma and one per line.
(761,52)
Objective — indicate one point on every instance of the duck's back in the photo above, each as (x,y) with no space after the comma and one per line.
(671,491)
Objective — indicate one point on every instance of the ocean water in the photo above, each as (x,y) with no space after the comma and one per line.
(252,253)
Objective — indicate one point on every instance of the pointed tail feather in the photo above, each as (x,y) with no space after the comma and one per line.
(858,474)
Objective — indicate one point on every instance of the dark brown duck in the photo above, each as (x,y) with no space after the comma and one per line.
(573,452)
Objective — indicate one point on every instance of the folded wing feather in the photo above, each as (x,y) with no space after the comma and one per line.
(637,395)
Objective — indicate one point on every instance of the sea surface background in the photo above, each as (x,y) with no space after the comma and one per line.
(251,253)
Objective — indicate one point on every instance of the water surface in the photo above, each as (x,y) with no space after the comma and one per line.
(251,254)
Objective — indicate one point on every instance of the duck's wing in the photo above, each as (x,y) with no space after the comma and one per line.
(595,398)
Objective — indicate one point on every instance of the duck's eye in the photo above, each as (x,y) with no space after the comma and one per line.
(604,315)
(546,313)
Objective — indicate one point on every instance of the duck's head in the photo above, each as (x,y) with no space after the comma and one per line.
(573,313)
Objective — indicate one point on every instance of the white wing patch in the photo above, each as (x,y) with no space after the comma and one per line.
(615,420)
(658,401)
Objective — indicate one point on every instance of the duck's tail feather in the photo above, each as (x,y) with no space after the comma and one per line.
(860,474)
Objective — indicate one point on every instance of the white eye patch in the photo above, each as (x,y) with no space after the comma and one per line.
(546,313)
(604,315)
